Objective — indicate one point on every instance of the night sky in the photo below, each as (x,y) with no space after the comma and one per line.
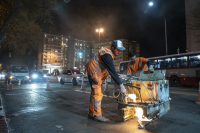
(130,19)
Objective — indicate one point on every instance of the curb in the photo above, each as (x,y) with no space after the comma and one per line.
(3,123)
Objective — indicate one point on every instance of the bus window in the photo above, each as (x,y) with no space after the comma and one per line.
(194,61)
(155,63)
(168,62)
(123,68)
(161,63)
(179,62)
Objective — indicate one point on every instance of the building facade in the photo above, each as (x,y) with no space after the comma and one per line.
(53,53)
(59,52)
(131,46)
(77,54)
(192,22)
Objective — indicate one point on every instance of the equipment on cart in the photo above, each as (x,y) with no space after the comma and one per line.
(147,97)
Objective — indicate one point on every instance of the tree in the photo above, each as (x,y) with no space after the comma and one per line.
(18,27)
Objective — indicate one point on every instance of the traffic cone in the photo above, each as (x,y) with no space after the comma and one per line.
(82,85)
(198,102)
(48,88)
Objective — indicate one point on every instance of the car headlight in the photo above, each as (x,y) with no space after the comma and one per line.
(78,77)
(34,76)
(11,77)
(45,75)
(1,75)
(27,77)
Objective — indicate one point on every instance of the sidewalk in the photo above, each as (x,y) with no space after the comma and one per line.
(3,123)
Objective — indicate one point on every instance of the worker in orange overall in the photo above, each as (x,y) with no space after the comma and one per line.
(138,64)
(97,69)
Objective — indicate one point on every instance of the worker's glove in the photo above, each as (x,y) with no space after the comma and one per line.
(151,69)
(123,90)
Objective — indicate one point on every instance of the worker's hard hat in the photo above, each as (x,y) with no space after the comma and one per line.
(118,44)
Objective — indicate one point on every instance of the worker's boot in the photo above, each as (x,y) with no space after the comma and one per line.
(101,119)
(90,116)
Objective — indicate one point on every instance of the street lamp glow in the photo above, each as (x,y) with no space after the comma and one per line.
(80,54)
(150,3)
(99,31)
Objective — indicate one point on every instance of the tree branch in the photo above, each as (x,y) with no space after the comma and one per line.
(6,25)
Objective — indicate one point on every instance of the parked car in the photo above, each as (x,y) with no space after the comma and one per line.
(37,76)
(3,72)
(71,76)
(2,76)
(18,73)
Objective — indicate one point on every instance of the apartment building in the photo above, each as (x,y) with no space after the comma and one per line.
(129,45)
(77,54)
(54,48)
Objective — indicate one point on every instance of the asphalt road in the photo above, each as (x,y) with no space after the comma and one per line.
(30,108)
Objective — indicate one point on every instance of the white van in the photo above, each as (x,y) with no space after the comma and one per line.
(18,73)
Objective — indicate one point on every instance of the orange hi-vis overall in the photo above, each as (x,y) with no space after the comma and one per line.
(97,71)
(139,65)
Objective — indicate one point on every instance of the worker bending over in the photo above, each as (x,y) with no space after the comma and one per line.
(97,69)
(138,64)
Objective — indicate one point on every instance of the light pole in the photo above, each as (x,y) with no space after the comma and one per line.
(99,30)
(151,4)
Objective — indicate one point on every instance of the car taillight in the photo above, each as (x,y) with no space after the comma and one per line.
(74,72)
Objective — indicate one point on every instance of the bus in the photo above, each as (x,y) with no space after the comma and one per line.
(181,69)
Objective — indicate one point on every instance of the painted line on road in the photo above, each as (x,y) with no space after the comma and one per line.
(18,94)
(35,92)
(185,90)
(52,91)
(184,93)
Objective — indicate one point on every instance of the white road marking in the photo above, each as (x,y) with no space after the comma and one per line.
(36,91)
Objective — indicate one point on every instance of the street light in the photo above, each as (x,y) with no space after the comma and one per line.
(99,30)
(151,4)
